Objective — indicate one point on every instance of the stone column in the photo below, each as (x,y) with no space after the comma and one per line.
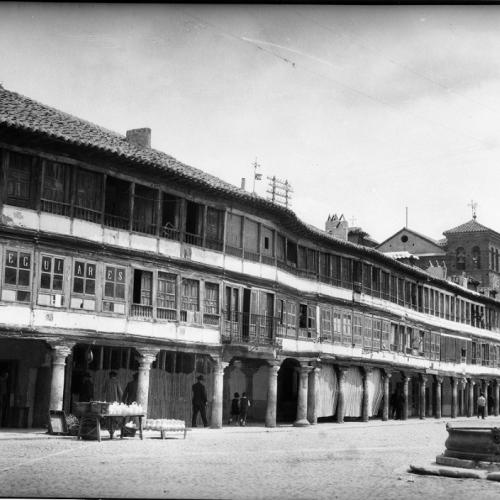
(423,385)
(249,372)
(272,393)
(59,354)
(496,396)
(406,379)
(217,397)
(454,397)
(463,385)
(430,399)
(341,396)
(437,409)
(385,410)
(470,409)
(485,385)
(313,395)
(365,410)
(146,358)
(301,420)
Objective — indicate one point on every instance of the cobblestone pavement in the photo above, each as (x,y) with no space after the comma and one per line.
(349,461)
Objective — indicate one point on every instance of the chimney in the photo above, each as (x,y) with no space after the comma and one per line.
(337,227)
(140,137)
(243,181)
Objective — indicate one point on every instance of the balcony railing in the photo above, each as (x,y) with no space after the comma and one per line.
(87,214)
(116,221)
(168,314)
(141,311)
(247,328)
(55,207)
(237,252)
(171,233)
(193,239)
(143,227)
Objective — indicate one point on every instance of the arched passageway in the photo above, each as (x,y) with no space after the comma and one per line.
(288,383)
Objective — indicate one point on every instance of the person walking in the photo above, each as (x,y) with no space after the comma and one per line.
(244,405)
(481,403)
(112,388)
(235,408)
(199,402)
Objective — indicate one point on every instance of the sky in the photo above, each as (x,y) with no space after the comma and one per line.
(365,110)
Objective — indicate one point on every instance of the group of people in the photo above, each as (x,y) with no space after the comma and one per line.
(239,409)
(112,390)
(239,405)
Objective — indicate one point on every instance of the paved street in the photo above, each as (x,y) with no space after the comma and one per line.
(354,460)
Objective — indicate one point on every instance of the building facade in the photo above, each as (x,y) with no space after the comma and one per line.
(115,256)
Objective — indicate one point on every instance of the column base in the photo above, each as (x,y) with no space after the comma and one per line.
(301,423)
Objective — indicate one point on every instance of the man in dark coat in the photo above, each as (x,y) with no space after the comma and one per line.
(87,388)
(130,394)
(199,401)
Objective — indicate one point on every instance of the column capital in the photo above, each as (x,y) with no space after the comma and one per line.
(147,355)
(439,379)
(367,370)
(424,377)
(220,366)
(304,368)
(60,351)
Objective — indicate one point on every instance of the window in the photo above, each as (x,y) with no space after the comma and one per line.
(170,216)
(251,238)
(114,284)
(386,332)
(460,259)
(145,209)
(476,257)
(326,324)
(84,278)
(337,326)
(211,298)
(357,330)
(117,203)
(347,329)
(367,334)
(215,229)
(166,296)
(234,230)
(19,180)
(291,253)
(377,334)
(114,289)
(143,287)
(56,189)
(194,223)
(88,195)
(190,295)
(51,273)
(17,275)
(302,316)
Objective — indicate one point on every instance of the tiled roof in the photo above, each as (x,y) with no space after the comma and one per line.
(23,113)
(469,227)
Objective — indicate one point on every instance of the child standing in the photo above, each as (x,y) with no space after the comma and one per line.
(244,405)
(235,408)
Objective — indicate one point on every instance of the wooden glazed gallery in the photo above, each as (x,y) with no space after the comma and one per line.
(116,256)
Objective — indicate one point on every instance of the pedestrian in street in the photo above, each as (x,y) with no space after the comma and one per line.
(481,403)
(112,389)
(235,409)
(199,401)
(244,405)
(87,388)
(130,393)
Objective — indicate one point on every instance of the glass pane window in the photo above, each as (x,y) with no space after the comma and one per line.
(166,294)
(114,283)
(84,278)
(212,298)
(51,273)
(17,268)
(190,295)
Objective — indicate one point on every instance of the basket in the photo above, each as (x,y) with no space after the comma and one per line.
(99,407)
(128,431)
(80,408)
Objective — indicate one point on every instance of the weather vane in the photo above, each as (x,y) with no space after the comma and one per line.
(257,176)
(473,205)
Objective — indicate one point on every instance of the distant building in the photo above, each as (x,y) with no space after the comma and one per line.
(359,236)
(473,250)
(426,252)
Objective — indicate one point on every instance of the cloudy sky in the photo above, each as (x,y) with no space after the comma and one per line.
(365,110)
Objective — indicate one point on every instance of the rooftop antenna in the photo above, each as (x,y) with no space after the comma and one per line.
(473,205)
(406,225)
(353,221)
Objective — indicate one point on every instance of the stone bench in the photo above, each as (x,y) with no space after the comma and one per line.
(164,425)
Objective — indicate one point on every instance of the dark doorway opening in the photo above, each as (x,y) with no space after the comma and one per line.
(288,384)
